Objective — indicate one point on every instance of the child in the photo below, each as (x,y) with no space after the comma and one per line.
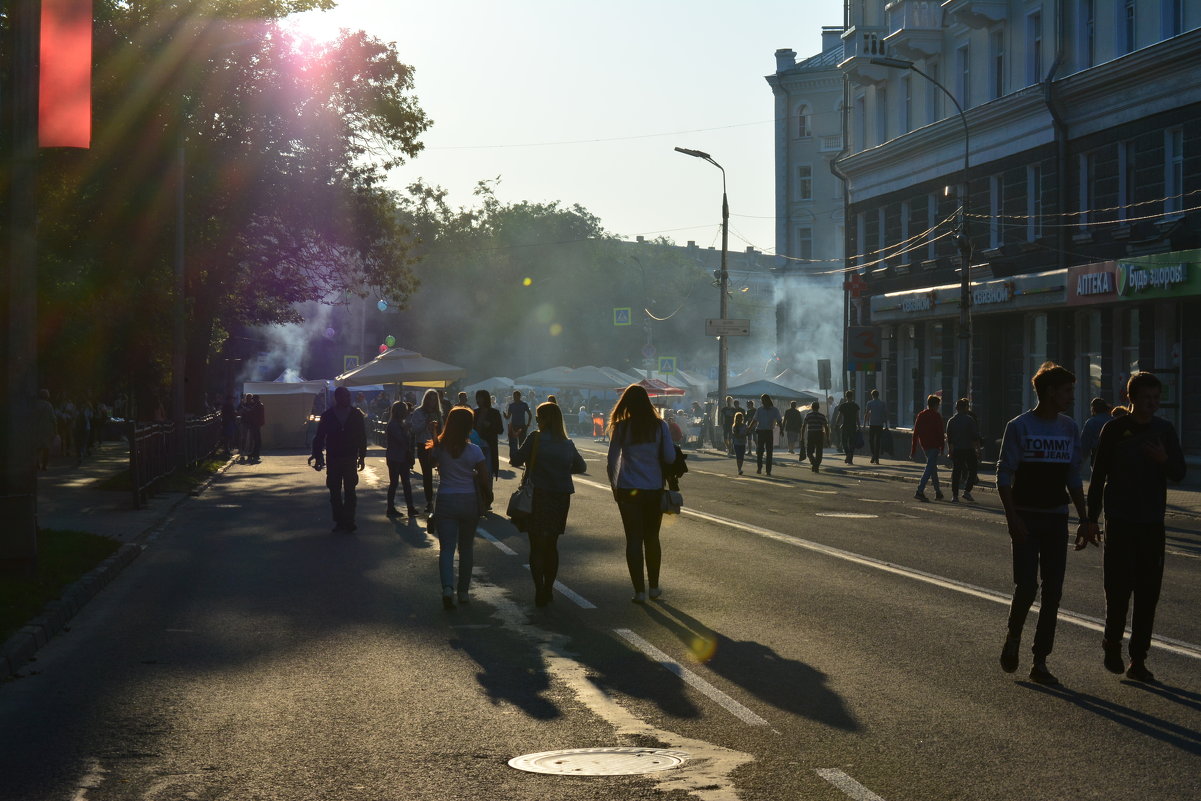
(738,434)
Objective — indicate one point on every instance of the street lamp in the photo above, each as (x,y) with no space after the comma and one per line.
(723,278)
(963,240)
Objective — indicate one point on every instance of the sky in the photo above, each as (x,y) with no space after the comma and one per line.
(583,102)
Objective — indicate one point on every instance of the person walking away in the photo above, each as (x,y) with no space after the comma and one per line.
(738,435)
(518,415)
(489,425)
(963,442)
(848,425)
(464,489)
(550,475)
(875,416)
(929,434)
(639,446)
(1136,457)
(792,428)
(258,419)
(767,420)
(45,427)
(1090,432)
(1038,471)
(340,446)
(726,421)
(816,430)
(425,424)
(399,458)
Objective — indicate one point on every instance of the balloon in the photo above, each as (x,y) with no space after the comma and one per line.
(329,333)
(390,341)
(383,348)
(382,305)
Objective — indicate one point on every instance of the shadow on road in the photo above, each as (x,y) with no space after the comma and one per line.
(1186,739)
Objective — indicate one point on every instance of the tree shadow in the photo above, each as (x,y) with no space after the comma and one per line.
(787,684)
(1186,739)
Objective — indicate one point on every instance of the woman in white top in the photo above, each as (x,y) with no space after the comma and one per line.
(639,444)
(463,485)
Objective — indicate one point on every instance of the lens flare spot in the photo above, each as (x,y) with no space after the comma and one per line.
(555,329)
(527,281)
(544,314)
(703,648)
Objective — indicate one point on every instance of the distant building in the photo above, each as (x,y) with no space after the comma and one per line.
(1084,190)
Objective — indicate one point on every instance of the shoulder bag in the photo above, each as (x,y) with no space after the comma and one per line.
(521,502)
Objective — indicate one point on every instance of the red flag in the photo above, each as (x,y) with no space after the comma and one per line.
(65,74)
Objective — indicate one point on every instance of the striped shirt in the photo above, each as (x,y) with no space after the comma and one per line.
(815,423)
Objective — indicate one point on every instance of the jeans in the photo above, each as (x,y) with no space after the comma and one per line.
(875,439)
(931,471)
(341,477)
(963,466)
(1133,566)
(399,471)
(848,442)
(641,517)
(455,519)
(1045,551)
(764,440)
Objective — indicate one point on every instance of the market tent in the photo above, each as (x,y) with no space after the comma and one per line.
(550,377)
(656,388)
(777,392)
(791,378)
(286,407)
(587,377)
(400,366)
(496,384)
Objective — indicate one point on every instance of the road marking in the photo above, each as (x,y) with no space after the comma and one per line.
(821,492)
(848,785)
(505,549)
(850,515)
(729,704)
(1085,621)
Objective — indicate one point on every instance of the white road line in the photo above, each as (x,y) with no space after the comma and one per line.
(1180,647)
(580,600)
(848,785)
(505,549)
(738,710)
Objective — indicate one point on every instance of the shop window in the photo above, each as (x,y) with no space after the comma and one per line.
(1088,364)
(1036,351)
(906,372)
(933,383)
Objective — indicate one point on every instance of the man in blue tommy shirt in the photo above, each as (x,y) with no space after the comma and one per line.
(1038,470)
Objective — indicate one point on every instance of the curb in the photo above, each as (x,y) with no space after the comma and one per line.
(23,646)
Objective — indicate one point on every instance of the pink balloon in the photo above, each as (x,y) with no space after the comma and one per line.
(383,348)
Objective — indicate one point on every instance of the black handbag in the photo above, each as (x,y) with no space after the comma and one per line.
(521,502)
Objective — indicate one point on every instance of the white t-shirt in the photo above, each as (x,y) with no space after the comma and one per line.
(457,476)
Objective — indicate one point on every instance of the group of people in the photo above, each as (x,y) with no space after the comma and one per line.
(805,432)
(242,427)
(71,428)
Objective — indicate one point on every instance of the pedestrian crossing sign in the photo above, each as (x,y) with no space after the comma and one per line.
(622,317)
(667,365)
(349,363)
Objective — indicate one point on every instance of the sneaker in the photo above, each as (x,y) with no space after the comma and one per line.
(967,496)
(1138,671)
(639,598)
(921,496)
(938,496)
(1040,675)
(656,592)
(1113,657)
(1009,654)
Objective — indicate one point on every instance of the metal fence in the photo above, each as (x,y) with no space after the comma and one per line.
(153,450)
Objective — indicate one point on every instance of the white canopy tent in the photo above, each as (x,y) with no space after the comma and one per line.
(400,366)
(286,407)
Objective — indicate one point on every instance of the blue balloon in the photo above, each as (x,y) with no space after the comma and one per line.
(382,305)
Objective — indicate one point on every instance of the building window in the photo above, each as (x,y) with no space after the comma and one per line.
(996,207)
(1088,188)
(907,106)
(881,115)
(1173,169)
(1173,18)
(1034,202)
(802,122)
(1088,32)
(905,246)
(804,243)
(997,78)
(1034,47)
(804,182)
(932,223)
(1125,180)
(933,93)
(861,238)
(934,357)
(1127,31)
(963,65)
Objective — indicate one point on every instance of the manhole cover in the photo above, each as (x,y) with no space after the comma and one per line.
(855,515)
(600,761)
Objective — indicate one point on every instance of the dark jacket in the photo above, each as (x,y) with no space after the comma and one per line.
(341,440)
(557,459)
(1129,483)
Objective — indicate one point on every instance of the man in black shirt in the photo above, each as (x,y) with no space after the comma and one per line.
(1136,456)
(342,435)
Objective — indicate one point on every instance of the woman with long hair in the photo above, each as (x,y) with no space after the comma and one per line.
(425,423)
(399,457)
(552,458)
(639,445)
(463,485)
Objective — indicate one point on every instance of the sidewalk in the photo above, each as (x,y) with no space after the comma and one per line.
(1184,499)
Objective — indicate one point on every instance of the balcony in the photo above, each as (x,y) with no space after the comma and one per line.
(976,13)
(860,44)
(915,29)
(830,144)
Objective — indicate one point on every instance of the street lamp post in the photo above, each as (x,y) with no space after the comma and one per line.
(963,239)
(723,278)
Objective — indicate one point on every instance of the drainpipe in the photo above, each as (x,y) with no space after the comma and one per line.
(1059,123)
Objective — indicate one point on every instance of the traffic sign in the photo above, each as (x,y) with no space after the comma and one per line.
(621,316)
(823,374)
(667,365)
(349,363)
(718,327)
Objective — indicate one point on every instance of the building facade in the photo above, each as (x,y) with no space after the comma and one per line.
(1081,132)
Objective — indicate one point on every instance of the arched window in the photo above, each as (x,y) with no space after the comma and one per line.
(802,122)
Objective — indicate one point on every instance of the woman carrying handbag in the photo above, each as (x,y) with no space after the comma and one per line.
(639,445)
(552,458)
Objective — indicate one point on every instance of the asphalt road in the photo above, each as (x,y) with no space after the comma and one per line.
(820,637)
